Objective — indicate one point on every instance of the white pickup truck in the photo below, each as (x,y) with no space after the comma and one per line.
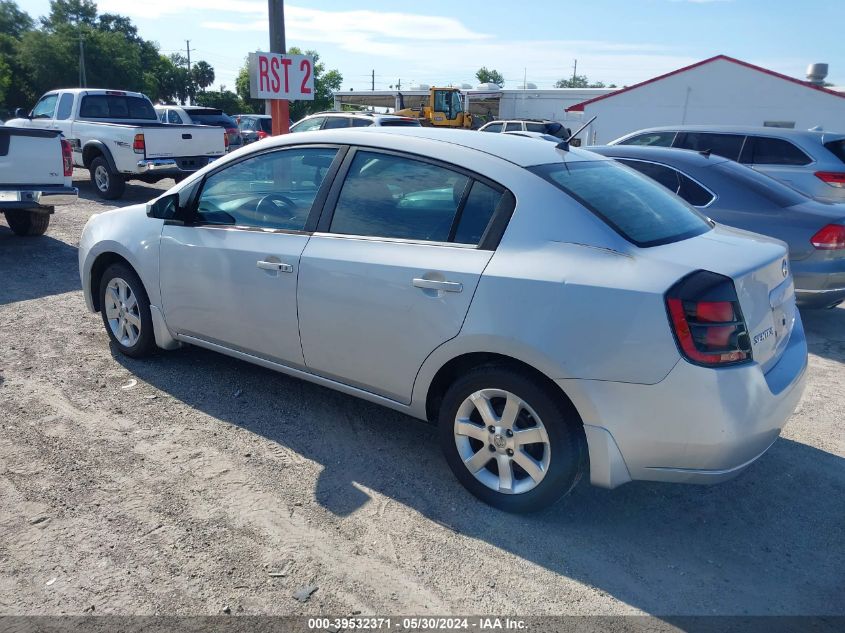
(36,170)
(117,136)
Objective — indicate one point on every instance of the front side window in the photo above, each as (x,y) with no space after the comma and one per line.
(727,145)
(636,207)
(772,151)
(656,139)
(268,191)
(65,107)
(307,125)
(493,127)
(45,108)
(396,197)
(361,123)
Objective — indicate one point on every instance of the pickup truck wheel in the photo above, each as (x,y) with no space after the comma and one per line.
(125,309)
(25,223)
(108,185)
(509,441)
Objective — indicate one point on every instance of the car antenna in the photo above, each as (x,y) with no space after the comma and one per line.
(705,153)
(564,144)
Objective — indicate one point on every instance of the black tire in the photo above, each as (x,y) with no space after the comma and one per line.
(145,343)
(567,443)
(113,186)
(27,223)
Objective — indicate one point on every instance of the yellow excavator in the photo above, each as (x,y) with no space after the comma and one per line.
(443,108)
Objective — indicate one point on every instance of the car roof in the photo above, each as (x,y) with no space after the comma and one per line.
(776,132)
(668,155)
(521,151)
(353,114)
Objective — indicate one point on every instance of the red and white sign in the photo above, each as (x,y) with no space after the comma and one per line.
(277,76)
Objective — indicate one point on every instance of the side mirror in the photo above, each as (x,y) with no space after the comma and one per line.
(20,113)
(164,208)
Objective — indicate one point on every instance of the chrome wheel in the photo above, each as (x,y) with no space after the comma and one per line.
(101,178)
(122,312)
(502,441)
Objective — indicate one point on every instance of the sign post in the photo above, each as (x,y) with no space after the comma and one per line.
(279,108)
(280,78)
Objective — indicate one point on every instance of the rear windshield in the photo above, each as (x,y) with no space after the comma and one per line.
(400,123)
(638,208)
(266,125)
(837,148)
(117,107)
(769,188)
(219,120)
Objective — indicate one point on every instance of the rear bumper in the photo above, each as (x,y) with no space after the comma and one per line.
(697,425)
(819,283)
(173,166)
(36,197)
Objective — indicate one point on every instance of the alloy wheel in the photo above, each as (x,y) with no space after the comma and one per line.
(123,312)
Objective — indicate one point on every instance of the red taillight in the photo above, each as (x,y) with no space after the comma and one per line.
(67,157)
(707,320)
(262,134)
(225,140)
(833,178)
(830,237)
(138,145)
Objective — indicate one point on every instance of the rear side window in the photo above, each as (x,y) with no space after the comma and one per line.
(306,125)
(335,122)
(493,127)
(173,117)
(694,193)
(535,127)
(116,107)
(636,207)
(772,151)
(727,145)
(513,127)
(473,218)
(361,123)
(657,139)
(65,106)
(837,148)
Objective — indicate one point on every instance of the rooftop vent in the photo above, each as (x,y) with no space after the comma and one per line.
(816,73)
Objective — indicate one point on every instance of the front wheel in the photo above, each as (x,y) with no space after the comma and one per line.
(27,223)
(509,441)
(109,186)
(125,309)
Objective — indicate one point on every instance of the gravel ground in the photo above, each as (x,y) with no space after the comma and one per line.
(193,483)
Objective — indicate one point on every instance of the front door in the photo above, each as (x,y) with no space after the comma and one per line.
(229,276)
(391,273)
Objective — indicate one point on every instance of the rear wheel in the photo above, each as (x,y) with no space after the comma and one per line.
(27,223)
(107,184)
(125,309)
(508,441)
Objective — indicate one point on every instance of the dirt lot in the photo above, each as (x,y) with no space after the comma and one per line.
(193,483)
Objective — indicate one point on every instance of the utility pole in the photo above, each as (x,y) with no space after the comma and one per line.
(373,81)
(190,82)
(279,108)
(399,85)
(574,72)
(83,80)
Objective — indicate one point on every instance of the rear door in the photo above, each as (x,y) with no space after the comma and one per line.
(727,145)
(391,271)
(169,141)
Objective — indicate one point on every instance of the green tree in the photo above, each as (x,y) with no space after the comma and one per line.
(581,81)
(14,85)
(250,105)
(74,12)
(13,21)
(485,76)
(202,74)
(225,100)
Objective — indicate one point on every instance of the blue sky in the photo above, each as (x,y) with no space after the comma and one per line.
(440,42)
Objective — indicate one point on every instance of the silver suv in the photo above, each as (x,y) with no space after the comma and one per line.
(813,162)
(542,126)
(335,120)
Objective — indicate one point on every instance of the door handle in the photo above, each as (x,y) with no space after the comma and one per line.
(277,266)
(433,284)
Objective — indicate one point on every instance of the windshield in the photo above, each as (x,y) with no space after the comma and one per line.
(117,107)
(635,206)
(772,190)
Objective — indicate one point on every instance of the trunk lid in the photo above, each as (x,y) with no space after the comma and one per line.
(30,157)
(181,141)
(759,267)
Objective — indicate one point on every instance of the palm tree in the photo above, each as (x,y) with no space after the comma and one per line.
(202,74)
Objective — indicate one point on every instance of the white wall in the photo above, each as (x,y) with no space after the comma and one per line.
(544,104)
(720,92)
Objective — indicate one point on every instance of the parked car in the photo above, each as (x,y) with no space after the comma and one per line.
(36,173)
(117,137)
(333,120)
(539,305)
(254,127)
(810,161)
(733,194)
(199,115)
(541,126)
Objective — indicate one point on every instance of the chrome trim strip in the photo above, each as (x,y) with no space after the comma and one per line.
(395,240)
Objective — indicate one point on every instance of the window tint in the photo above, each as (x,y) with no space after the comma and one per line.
(535,127)
(217,120)
(772,151)
(116,107)
(493,127)
(361,123)
(173,117)
(694,193)
(666,176)
(513,126)
(65,107)
(657,139)
(45,108)
(837,148)
(636,207)
(476,213)
(397,197)
(399,123)
(271,191)
(266,125)
(727,145)
(334,122)
(306,125)
(769,188)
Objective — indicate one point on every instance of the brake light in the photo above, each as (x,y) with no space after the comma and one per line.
(262,135)
(225,140)
(707,320)
(830,237)
(833,178)
(138,145)
(67,157)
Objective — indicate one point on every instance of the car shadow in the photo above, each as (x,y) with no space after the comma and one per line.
(825,331)
(768,542)
(33,267)
(136,192)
